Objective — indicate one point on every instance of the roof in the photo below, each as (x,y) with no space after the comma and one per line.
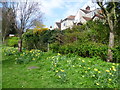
(58,24)
(85,11)
(87,18)
(71,17)
(99,16)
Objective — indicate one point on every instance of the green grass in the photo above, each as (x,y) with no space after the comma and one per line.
(53,70)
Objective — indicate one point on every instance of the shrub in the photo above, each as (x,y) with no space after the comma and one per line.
(33,40)
(12,41)
(88,49)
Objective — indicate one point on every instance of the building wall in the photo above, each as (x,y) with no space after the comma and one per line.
(80,14)
(67,24)
(56,26)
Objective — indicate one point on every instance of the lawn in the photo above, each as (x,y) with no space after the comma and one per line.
(36,69)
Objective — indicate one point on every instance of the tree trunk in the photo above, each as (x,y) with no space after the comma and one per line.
(111,40)
(20,45)
(48,48)
(3,39)
(110,46)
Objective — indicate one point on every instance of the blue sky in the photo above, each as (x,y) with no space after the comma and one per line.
(55,10)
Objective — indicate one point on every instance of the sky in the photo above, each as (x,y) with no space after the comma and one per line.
(55,10)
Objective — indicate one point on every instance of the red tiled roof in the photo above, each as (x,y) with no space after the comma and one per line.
(87,18)
(71,17)
(99,16)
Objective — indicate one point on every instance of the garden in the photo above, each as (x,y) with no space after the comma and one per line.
(37,69)
(84,56)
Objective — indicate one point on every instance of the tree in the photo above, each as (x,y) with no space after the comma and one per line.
(111,18)
(7,20)
(25,14)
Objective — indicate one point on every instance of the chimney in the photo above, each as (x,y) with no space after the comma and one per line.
(87,8)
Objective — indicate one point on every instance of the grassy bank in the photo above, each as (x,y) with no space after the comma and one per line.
(36,69)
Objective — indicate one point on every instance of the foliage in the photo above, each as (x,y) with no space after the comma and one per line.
(32,39)
(38,30)
(88,49)
(56,71)
(39,38)
(12,41)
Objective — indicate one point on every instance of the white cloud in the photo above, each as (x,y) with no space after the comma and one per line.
(49,5)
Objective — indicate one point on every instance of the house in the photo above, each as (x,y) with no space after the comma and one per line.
(83,16)
(57,25)
(67,22)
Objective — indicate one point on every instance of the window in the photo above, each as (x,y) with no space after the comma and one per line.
(64,24)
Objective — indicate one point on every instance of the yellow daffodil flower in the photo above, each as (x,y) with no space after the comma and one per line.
(97,84)
(95,69)
(62,70)
(107,70)
(99,72)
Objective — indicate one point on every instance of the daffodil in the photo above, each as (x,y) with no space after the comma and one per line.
(58,53)
(99,72)
(113,63)
(113,66)
(97,84)
(107,70)
(114,69)
(62,70)
(59,76)
(83,61)
(110,79)
(85,71)
(88,68)
(110,73)
(95,69)
(33,59)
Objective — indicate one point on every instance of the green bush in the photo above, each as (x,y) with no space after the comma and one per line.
(88,49)
(40,40)
(12,41)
